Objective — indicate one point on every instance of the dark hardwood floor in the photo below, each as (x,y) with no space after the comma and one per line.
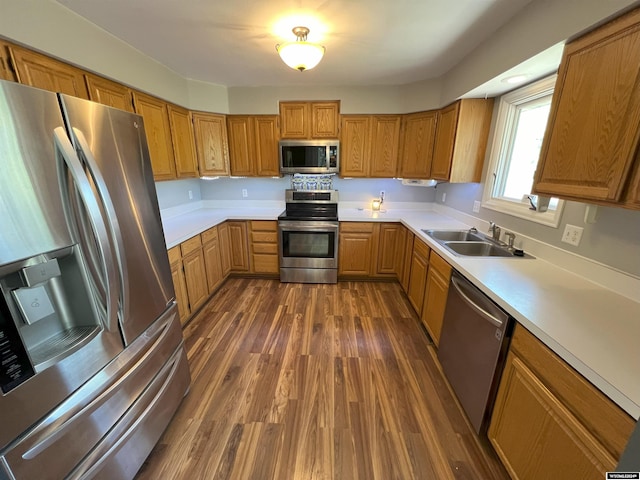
(298,381)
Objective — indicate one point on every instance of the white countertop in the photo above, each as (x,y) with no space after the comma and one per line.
(592,328)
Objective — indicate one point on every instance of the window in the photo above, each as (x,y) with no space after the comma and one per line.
(520,125)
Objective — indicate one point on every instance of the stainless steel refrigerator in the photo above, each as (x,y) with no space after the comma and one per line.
(93,366)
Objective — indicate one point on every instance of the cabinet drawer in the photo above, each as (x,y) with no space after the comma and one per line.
(606,421)
(266,263)
(209,235)
(264,237)
(421,249)
(365,227)
(439,264)
(174,255)
(264,225)
(270,248)
(191,245)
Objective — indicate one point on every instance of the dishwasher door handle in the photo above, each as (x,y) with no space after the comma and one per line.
(481,311)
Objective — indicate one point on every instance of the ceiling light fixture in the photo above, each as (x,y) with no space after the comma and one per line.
(300,55)
(515,79)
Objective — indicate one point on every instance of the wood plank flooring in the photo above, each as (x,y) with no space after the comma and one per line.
(298,381)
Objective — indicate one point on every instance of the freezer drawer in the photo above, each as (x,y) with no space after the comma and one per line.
(99,409)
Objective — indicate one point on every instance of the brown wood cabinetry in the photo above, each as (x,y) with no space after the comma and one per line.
(435,296)
(357,248)
(194,272)
(264,247)
(418,275)
(179,283)
(369,145)
(590,148)
(109,93)
(238,248)
(156,124)
(309,119)
(461,140)
(44,72)
(391,245)
(572,429)
(212,148)
(225,248)
(182,139)
(253,145)
(6,72)
(406,262)
(417,144)
(212,258)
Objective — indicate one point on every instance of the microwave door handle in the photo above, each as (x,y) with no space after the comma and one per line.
(112,219)
(68,154)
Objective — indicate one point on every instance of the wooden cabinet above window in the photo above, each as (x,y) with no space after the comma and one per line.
(309,119)
(590,148)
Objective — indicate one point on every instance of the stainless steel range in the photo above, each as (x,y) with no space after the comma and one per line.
(308,234)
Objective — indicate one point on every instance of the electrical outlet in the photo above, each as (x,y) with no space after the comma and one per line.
(572,234)
(476,206)
(444,197)
(190,194)
(244,193)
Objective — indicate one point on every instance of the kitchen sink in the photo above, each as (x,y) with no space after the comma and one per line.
(478,249)
(454,235)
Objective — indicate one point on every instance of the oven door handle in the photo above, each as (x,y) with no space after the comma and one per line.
(313,226)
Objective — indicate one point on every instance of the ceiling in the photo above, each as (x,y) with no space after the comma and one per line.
(368,42)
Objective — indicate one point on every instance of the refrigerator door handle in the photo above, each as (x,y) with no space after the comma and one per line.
(68,154)
(112,219)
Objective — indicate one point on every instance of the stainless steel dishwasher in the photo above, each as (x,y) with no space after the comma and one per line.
(473,345)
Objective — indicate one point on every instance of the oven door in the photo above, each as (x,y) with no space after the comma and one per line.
(308,244)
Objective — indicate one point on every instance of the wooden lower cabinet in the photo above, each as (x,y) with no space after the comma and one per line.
(225,248)
(435,296)
(179,283)
(391,250)
(549,422)
(357,248)
(238,248)
(406,261)
(194,272)
(418,275)
(212,258)
(264,247)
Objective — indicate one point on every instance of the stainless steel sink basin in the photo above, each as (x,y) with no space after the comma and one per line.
(478,249)
(454,235)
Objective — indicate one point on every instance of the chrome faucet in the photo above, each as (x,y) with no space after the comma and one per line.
(495,231)
(511,237)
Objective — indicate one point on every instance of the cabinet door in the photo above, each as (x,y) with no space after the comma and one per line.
(267,135)
(179,283)
(225,248)
(418,275)
(156,125)
(593,135)
(294,119)
(354,145)
(406,263)
(241,145)
(239,251)
(109,93)
(389,245)
(44,72)
(6,73)
(325,119)
(435,297)
(183,143)
(212,149)
(212,258)
(444,141)
(417,145)
(385,143)
(534,434)
(357,248)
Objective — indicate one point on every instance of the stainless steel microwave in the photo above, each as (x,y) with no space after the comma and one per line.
(309,156)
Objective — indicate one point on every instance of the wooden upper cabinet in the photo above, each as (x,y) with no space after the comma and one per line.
(109,93)
(385,144)
(592,136)
(241,145)
(267,135)
(461,140)
(325,119)
(6,73)
(309,119)
(47,73)
(417,144)
(182,138)
(212,148)
(156,125)
(354,145)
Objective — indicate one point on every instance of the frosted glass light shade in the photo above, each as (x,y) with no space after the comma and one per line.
(301,55)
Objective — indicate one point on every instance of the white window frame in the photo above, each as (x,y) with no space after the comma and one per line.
(500,149)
